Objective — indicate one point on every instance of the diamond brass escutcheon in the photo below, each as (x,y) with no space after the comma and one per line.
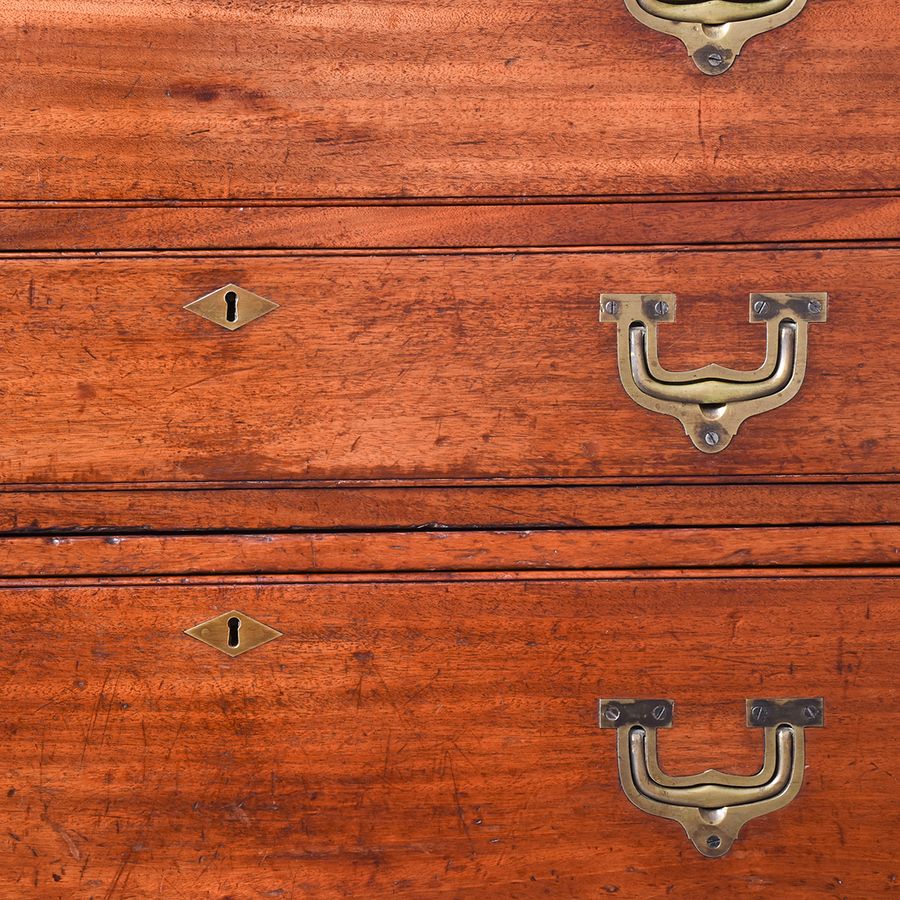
(233,633)
(231,306)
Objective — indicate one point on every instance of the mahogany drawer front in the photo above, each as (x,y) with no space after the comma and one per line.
(194,99)
(435,739)
(425,368)
(433,548)
(274,508)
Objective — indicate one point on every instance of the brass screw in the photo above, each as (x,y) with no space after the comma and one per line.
(761,307)
(661,308)
(811,711)
(612,307)
(613,713)
(659,712)
(815,307)
(712,438)
(714,842)
(715,60)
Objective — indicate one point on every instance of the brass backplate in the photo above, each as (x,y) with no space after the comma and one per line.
(231,306)
(233,633)
(712,806)
(714,31)
(713,401)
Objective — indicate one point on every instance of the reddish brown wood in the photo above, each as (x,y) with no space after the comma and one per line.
(413,226)
(423,468)
(446,507)
(449,551)
(450,366)
(198,99)
(434,740)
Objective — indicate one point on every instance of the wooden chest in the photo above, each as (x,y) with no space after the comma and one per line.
(449,449)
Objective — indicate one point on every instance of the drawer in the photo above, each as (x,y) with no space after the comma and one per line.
(436,738)
(436,548)
(428,368)
(198,100)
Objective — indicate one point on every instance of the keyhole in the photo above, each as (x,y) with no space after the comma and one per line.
(234,626)
(231,302)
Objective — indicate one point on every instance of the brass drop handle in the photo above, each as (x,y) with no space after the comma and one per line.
(713,12)
(712,402)
(714,392)
(714,31)
(713,806)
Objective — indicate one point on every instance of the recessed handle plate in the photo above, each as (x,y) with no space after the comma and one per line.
(712,402)
(712,806)
(715,31)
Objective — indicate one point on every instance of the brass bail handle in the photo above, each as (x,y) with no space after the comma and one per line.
(712,806)
(714,31)
(712,402)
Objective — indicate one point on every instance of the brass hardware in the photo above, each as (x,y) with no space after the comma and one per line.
(233,633)
(715,31)
(712,806)
(712,402)
(231,306)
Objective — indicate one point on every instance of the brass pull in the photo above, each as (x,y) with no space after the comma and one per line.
(713,806)
(713,12)
(715,31)
(712,402)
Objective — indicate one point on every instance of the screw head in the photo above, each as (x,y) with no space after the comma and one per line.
(814,307)
(761,307)
(659,712)
(612,307)
(811,711)
(715,60)
(714,842)
(613,713)
(711,438)
(661,308)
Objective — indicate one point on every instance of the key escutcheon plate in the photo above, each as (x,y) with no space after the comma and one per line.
(233,633)
(231,306)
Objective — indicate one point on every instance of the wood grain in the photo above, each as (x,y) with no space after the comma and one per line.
(393,226)
(481,551)
(394,98)
(434,740)
(286,509)
(458,366)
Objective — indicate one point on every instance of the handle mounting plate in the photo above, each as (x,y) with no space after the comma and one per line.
(712,806)
(713,401)
(714,31)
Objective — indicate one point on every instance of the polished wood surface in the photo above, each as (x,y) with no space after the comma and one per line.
(405,508)
(434,740)
(454,366)
(423,468)
(193,99)
(374,226)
